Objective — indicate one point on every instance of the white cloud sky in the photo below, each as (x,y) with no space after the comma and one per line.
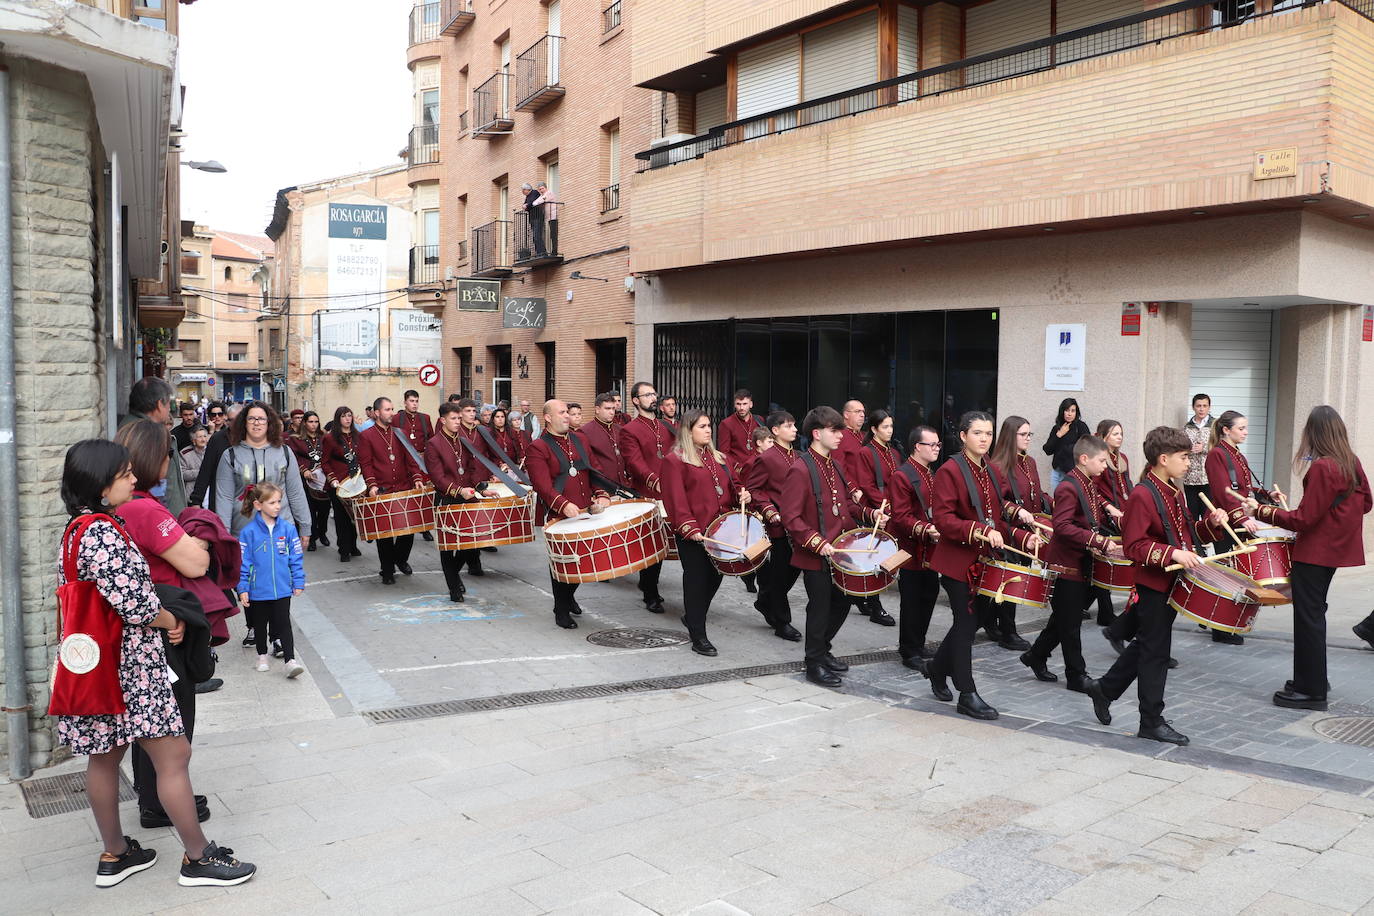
(284,92)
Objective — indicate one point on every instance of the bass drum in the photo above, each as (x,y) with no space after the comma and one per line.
(624,538)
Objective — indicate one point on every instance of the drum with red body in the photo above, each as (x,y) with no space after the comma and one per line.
(1114,572)
(626,537)
(1271,563)
(1215,596)
(391,515)
(736,548)
(671,556)
(497,518)
(865,561)
(1002,580)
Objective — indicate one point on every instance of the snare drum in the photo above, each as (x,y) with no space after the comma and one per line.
(749,540)
(1115,573)
(626,537)
(1001,580)
(671,556)
(393,515)
(869,572)
(1214,596)
(496,519)
(1271,563)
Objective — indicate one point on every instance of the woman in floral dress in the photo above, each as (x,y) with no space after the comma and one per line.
(98,477)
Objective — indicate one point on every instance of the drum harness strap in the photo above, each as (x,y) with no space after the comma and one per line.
(563,463)
(877,464)
(1169,534)
(495,469)
(809,458)
(499,452)
(1235,481)
(914,476)
(1099,525)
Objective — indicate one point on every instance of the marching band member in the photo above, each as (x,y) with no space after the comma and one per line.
(1020,485)
(667,412)
(1115,486)
(1156,532)
(913,493)
(602,438)
(698,486)
(457,478)
(340,463)
(505,436)
(736,430)
(765,480)
(388,468)
(308,444)
(561,475)
(416,428)
(471,441)
(645,442)
(759,442)
(875,465)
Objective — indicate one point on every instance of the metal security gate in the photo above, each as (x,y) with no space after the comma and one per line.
(1233,362)
(694,363)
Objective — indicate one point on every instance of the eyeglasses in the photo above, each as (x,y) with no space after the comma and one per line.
(216,413)
(257,419)
(929,444)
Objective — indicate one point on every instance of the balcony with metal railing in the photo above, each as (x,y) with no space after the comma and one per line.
(536,236)
(491,247)
(424,145)
(537,74)
(424,22)
(455,16)
(610,18)
(491,114)
(424,264)
(610,198)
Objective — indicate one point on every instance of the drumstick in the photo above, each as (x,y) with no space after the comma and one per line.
(726,544)
(1283,500)
(743,519)
(880,511)
(1229,530)
(1043,527)
(978,535)
(1213,558)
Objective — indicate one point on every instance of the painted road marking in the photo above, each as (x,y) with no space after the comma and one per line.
(526,658)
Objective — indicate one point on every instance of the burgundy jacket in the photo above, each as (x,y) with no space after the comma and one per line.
(1145,537)
(644,442)
(888,460)
(336,457)
(689,493)
(385,461)
(849,454)
(1023,486)
(1074,530)
(509,442)
(225,558)
(735,438)
(1115,483)
(766,476)
(1328,534)
(956,520)
(911,524)
(798,506)
(416,427)
(451,467)
(603,450)
(543,467)
(1219,479)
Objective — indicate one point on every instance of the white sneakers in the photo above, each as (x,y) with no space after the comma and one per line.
(262,662)
(294,669)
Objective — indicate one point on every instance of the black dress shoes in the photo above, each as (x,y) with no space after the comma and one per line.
(1078,684)
(1173,662)
(564,620)
(488,550)
(1228,639)
(749,585)
(1102,707)
(322,540)
(1162,732)
(817,673)
(787,632)
(1013,641)
(1291,699)
(702,646)
(475,569)
(356,552)
(425,535)
(994,633)
(1364,631)
(388,579)
(973,706)
(881,617)
(577,609)
(764,612)
(404,568)
(345,558)
(457,597)
(1038,668)
(210,686)
(1118,645)
(915,663)
(311,548)
(939,687)
(834,664)
(654,605)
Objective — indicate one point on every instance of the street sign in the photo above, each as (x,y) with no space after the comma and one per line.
(210,382)
(429,375)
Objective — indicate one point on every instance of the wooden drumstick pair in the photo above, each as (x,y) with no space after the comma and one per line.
(978,535)
(1241,546)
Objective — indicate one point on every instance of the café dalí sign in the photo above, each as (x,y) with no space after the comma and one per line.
(1276,163)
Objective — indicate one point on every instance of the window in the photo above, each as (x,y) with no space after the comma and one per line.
(190,263)
(429,230)
(150,13)
(465,371)
(228,273)
(429,107)
(238,302)
(610,154)
(550,375)
(238,352)
(190,351)
(551,172)
(274,339)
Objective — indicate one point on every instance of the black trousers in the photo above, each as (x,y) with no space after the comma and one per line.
(564,595)
(954,658)
(145,774)
(1126,625)
(648,581)
(537,230)
(776,579)
(452,562)
(1310,586)
(394,550)
(700,582)
(919,590)
(272,620)
(826,610)
(553,236)
(345,532)
(1105,609)
(319,516)
(1145,661)
(1065,628)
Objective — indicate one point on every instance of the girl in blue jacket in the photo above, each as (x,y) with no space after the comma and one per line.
(273,571)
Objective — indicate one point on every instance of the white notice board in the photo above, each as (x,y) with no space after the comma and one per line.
(1065,356)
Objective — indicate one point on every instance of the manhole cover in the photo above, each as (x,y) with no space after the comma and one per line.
(1357,730)
(637,638)
(60,794)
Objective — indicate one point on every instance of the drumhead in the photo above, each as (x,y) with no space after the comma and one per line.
(882,543)
(352,487)
(1275,533)
(614,514)
(1221,580)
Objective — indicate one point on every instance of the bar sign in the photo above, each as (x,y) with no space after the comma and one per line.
(1367,334)
(1130,319)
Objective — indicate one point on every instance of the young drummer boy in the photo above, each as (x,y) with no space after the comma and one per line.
(1079,512)
(1156,533)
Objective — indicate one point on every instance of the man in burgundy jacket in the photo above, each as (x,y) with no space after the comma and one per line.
(388,468)
(416,428)
(644,442)
(913,494)
(456,476)
(766,476)
(736,433)
(602,438)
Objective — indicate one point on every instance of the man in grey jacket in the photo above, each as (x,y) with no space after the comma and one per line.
(151,399)
(257,452)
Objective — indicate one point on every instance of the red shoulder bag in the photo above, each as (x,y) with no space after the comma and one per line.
(85,678)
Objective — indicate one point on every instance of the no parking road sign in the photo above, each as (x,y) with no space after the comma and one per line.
(429,375)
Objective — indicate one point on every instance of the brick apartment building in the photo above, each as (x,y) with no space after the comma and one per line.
(512,93)
(928,206)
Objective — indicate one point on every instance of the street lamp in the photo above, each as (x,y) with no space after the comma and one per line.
(210,166)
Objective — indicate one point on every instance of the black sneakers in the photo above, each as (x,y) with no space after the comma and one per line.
(134,860)
(216,867)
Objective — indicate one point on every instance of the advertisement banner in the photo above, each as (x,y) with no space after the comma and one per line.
(346,339)
(357,280)
(415,339)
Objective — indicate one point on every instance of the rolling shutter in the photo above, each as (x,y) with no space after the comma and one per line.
(1004,24)
(769,77)
(908,40)
(710,108)
(1231,362)
(1078,14)
(840,56)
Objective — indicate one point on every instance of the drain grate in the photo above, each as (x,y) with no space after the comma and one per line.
(538,697)
(51,795)
(1356,730)
(637,638)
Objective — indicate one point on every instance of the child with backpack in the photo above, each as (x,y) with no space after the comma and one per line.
(273,571)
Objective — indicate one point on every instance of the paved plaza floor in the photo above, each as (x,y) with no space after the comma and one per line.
(390,778)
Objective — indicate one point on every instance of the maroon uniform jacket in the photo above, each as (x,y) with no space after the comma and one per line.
(671,424)
(840,511)
(451,467)
(1221,462)
(735,437)
(764,483)
(1115,483)
(689,493)
(303,448)
(876,465)
(603,450)
(911,521)
(1079,512)
(849,455)
(1150,540)
(474,438)
(956,518)
(509,442)
(416,427)
(1023,486)
(543,465)
(1327,520)
(385,461)
(621,418)
(336,457)
(644,442)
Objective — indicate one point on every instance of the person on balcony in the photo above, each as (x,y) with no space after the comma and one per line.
(534,208)
(549,204)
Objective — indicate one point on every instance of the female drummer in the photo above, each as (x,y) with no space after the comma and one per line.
(506,437)
(308,444)
(340,463)
(1114,484)
(697,487)
(972,519)
(877,464)
(1020,485)
(1328,521)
